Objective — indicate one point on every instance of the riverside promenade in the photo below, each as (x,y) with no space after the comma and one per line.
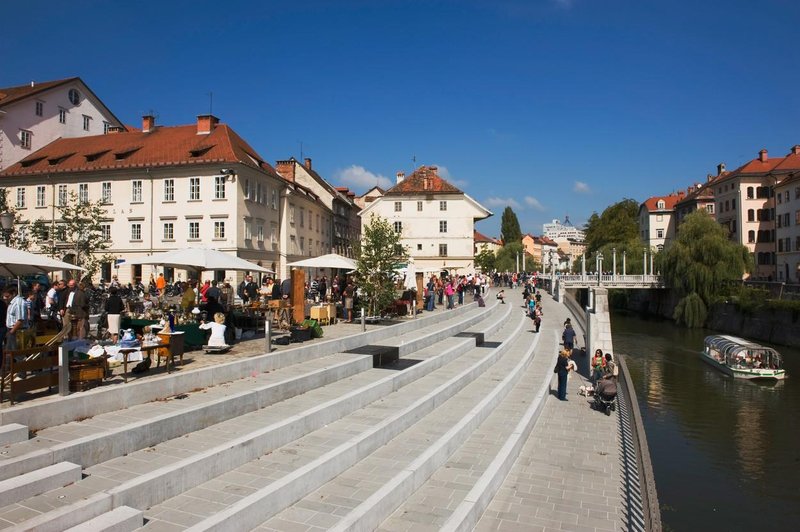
(461,433)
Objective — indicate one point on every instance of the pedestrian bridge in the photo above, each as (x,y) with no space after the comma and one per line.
(588,280)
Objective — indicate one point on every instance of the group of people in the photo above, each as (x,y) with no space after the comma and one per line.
(452,289)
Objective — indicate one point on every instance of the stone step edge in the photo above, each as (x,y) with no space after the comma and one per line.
(120,519)
(254,509)
(59,410)
(377,507)
(13,433)
(14,490)
(102,446)
(468,513)
(184,474)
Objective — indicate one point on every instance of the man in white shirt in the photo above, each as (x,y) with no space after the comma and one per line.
(16,319)
(51,301)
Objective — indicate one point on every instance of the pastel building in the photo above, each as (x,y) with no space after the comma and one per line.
(657,220)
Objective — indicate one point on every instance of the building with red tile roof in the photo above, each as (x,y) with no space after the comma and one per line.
(436,220)
(657,220)
(36,114)
(166,187)
(482,241)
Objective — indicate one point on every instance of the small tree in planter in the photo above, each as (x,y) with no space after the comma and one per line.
(378,254)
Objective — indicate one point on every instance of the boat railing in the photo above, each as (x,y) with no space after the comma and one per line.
(651,518)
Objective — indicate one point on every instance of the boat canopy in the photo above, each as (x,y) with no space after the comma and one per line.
(739,352)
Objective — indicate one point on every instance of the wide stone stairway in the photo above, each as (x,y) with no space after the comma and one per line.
(314,438)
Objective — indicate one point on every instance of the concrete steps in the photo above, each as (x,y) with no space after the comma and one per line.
(150,475)
(265,486)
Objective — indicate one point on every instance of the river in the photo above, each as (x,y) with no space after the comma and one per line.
(726,454)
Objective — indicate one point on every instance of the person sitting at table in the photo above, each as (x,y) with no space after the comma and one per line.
(217,338)
(187,301)
(265,292)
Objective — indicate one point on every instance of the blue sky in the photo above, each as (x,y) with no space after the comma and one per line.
(554,107)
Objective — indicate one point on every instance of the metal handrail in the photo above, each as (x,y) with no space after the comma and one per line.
(650,507)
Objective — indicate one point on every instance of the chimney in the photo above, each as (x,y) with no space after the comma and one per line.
(307,163)
(286,169)
(148,123)
(720,168)
(115,129)
(762,156)
(400,177)
(796,149)
(206,123)
(32,84)
(710,178)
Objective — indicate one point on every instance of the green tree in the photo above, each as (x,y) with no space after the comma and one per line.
(379,252)
(485,259)
(507,258)
(78,231)
(698,263)
(509,227)
(18,238)
(617,226)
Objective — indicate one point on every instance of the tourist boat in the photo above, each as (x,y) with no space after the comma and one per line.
(743,359)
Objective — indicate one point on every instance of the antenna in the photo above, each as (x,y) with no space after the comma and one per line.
(414,161)
(301,149)
(210,103)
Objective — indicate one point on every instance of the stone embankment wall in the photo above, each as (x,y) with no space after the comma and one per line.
(781,327)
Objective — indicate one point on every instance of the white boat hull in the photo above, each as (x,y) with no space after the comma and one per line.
(745,373)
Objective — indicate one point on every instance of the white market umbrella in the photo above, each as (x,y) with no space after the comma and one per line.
(411,275)
(199,259)
(331,260)
(16,263)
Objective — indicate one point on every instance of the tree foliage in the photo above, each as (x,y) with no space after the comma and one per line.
(618,225)
(18,238)
(699,262)
(509,227)
(78,231)
(507,258)
(485,259)
(379,252)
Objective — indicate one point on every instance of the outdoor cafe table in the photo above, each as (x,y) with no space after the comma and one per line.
(193,335)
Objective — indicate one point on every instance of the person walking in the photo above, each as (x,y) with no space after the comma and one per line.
(114,308)
(450,293)
(348,295)
(568,337)
(563,367)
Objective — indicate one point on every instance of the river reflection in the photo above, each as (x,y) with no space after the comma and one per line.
(725,452)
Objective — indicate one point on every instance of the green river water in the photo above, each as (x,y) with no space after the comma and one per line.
(726,454)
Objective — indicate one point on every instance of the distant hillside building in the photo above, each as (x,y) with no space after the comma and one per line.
(435,219)
(36,114)
(562,231)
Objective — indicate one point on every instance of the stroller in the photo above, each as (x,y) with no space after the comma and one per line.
(605,395)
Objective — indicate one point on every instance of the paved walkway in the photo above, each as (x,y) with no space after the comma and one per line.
(569,475)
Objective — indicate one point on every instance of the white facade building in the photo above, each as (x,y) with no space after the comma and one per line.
(435,219)
(34,115)
(164,188)
(657,220)
(562,231)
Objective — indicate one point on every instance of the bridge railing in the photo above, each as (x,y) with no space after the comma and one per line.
(611,280)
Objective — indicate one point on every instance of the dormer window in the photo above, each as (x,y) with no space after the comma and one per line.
(661,204)
(200,151)
(126,152)
(96,155)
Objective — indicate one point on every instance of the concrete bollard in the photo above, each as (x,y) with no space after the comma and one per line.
(268,335)
(363,320)
(63,371)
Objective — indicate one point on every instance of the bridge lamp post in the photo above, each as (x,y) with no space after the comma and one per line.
(624,252)
(583,266)
(614,263)
(644,264)
(599,266)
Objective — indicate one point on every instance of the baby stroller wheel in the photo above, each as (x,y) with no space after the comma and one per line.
(608,410)
(613,406)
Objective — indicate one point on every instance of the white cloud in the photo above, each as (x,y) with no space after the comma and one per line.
(445,174)
(581,188)
(358,176)
(502,202)
(535,203)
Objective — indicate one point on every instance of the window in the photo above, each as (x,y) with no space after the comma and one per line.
(86,122)
(105,189)
(727,205)
(219,187)
(248,230)
(219,229)
(419,206)
(40,195)
(398,206)
(786,220)
(780,199)
(62,195)
(194,230)
(442,226)
(74,96)
(398,227)
(39,108)
(786,196)
(442,205)
(659,233)
(751,236)
(780,246)
(246,189)
(318,223)
(25,139)
(311,223)
(259,195)
(136,191)
(291,213)
(20,198)
(710,208)
(260,232)
(62,116)
(169,231)
(750,215)
(660,204)
(136,231)
(302,217)
(83,193)
(106,125)
(778,221)
(194,188)
(275,200)
(442,250)
(302,245)
(750,194)
(105,230)
(169,190)
(733,204)
(293,245)
(419,247)
(797,243)
(796,218)
(797,193)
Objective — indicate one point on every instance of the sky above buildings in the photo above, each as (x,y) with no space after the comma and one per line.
(554,107)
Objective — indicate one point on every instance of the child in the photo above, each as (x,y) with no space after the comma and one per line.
(217,330)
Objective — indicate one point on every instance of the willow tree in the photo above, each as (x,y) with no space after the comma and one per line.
(377,257)
(698,263)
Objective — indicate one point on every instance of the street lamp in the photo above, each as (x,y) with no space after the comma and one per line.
(599,266)
(7,221)
(624,252)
